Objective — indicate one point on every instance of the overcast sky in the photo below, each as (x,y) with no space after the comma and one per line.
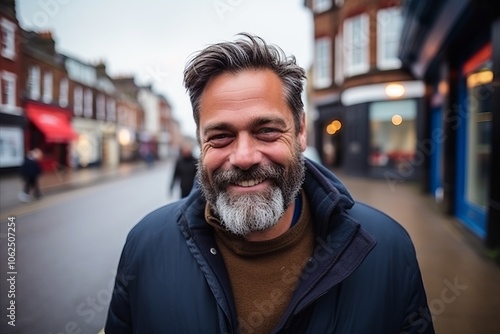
(152,39)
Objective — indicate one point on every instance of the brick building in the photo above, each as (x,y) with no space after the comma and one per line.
(367,106)
(45,98)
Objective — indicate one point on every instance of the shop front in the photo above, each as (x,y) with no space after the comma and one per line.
(110,145)
(474,135)
(381,131)
(128,146)
(86,150)
(49,129)
(11,142)
(455,47)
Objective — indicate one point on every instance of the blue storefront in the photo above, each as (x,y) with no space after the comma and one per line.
(454,47)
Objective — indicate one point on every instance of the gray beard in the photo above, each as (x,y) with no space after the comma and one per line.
(246,213)
(250,212)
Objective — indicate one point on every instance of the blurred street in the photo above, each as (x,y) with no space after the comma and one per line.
(68,244)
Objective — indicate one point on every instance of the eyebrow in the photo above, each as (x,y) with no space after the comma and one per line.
(259,121)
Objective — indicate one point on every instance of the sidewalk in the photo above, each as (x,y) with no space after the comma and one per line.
(461,281)
(52,182)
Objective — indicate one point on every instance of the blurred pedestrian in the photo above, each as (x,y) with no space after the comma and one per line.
(147,154)
(185,169)
(30,173)
(271,242)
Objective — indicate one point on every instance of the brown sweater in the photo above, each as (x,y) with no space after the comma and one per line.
(264,274)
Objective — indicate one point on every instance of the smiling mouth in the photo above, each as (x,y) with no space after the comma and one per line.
(249,183)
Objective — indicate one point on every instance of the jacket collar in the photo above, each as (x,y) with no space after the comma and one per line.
(327,195)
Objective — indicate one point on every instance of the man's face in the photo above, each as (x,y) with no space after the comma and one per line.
(251,167)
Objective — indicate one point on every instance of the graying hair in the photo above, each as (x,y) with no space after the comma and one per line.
(249,52)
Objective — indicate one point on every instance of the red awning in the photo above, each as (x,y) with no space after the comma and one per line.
(54,124)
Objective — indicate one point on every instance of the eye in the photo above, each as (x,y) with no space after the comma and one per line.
(220,140)
(268,134)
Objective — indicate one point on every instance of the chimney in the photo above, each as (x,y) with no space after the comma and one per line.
(101,69)
(46,43)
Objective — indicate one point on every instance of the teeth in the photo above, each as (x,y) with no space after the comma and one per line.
(249,183)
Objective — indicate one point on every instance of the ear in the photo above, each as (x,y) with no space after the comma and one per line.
(303,133)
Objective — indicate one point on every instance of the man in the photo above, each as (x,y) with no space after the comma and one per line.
(30,173)
(270,242)
(185,169)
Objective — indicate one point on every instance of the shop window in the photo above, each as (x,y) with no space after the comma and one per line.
(322,63)
(356,45)
(8,39)
(389,24)
(392,133)
(479,127)
(11,147)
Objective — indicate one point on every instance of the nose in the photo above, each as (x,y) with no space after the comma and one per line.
(245,153)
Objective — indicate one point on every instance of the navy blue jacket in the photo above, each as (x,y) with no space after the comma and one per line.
(363,276)
(30,169)
(185,172)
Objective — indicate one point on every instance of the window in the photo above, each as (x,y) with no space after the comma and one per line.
(389,25)
(111,109)
(320,6)
(339,69)
(63,92)
(393,137)
(8,39)
(78,101)
(47,87)
(479,134)
(100,107)
(323,63)
(11,147)
(87,104)
(8,91)
(356,45)
(34,83)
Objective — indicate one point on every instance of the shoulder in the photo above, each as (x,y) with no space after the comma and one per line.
(389,234)
(152,230)
(376,221)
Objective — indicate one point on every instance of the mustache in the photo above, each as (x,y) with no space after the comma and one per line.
(226,177)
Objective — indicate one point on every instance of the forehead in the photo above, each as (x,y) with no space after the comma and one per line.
(243,90)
